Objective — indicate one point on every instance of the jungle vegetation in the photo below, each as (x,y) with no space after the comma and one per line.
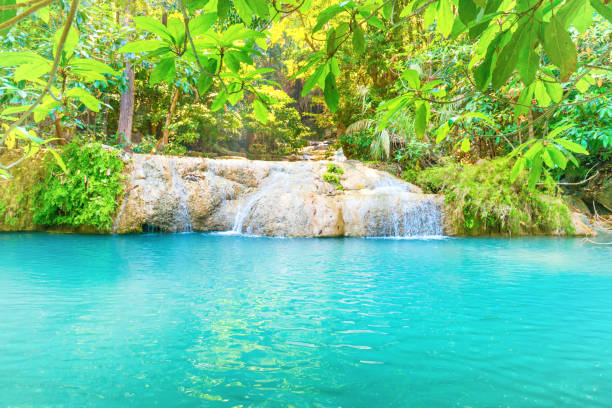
(413,82)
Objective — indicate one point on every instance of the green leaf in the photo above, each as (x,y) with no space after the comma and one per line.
(93,65)
(524,101)
(465,145)
(312,81)
(71,41)
(358,40)
(508,57)
(153,26)
(331,42)
(535,173)
(261,8)
(11,59)
(260,110)
(555,91)
(219,101)
(445,18)
(582,85)
(560,48)
(31,72)
(557,131)
(420,120)
(326,15)
(176,28)
(571,146)
(244,11)
(204,83)
(332,98)
(603,8)
(85,97)
(557,156)
(429,15)
(541,94)
(202,24)
(442,132)
(547,159)
(528,64)
(58,160)
(518,167)
(164,71)
(468,11)
(534,150)
(143,46)
(412,77)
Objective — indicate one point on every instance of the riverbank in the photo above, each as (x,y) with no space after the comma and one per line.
(292,199)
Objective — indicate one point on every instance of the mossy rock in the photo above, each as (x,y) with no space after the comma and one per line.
(481,200)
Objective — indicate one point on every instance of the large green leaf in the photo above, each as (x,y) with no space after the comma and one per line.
(153,26)
(508,57)
(31,72)
(535,173)
(559,47)
(93,65)
(332,98)
(571,146)
(11,59)
(219,101)
(260,110)
(358,40)
(445,18)
(164,71)
(202,24)
(72,40)
(468,11)
(420,120)
(312,80)
(326,15)
(85,97)
(176,28)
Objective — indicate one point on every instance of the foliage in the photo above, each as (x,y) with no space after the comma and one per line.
(481,198)
(331,175)
(357,145)
(86,194)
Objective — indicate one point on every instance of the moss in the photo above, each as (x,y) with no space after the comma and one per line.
(481,199)
(84,196)
(17,199)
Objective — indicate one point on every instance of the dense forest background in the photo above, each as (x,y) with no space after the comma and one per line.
(411,83)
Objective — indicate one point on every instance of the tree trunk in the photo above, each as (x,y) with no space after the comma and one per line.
(164,139)
(126,110)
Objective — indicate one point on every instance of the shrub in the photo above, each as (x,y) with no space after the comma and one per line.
(334,169)
(86,195)
(333,179)
(481,199)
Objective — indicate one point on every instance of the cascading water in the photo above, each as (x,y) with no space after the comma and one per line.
(245,210)
(182,217)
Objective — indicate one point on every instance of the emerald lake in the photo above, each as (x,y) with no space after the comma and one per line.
(191,320)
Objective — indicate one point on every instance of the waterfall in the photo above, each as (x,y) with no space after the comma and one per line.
(245,210)
(182,217)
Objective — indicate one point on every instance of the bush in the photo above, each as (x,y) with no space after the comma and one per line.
(333,179)
(481,199)
(86,195)
(334,169)
(357,145)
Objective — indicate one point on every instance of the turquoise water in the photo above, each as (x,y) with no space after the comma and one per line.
(197,320)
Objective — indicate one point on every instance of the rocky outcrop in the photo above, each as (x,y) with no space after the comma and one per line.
(273,198)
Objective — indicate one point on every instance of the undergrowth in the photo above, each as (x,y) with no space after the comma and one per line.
(481,199)
(86,194)
(331,176)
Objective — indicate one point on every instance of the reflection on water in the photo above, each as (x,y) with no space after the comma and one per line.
(210,320)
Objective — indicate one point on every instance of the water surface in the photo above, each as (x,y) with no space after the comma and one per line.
(191,320)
